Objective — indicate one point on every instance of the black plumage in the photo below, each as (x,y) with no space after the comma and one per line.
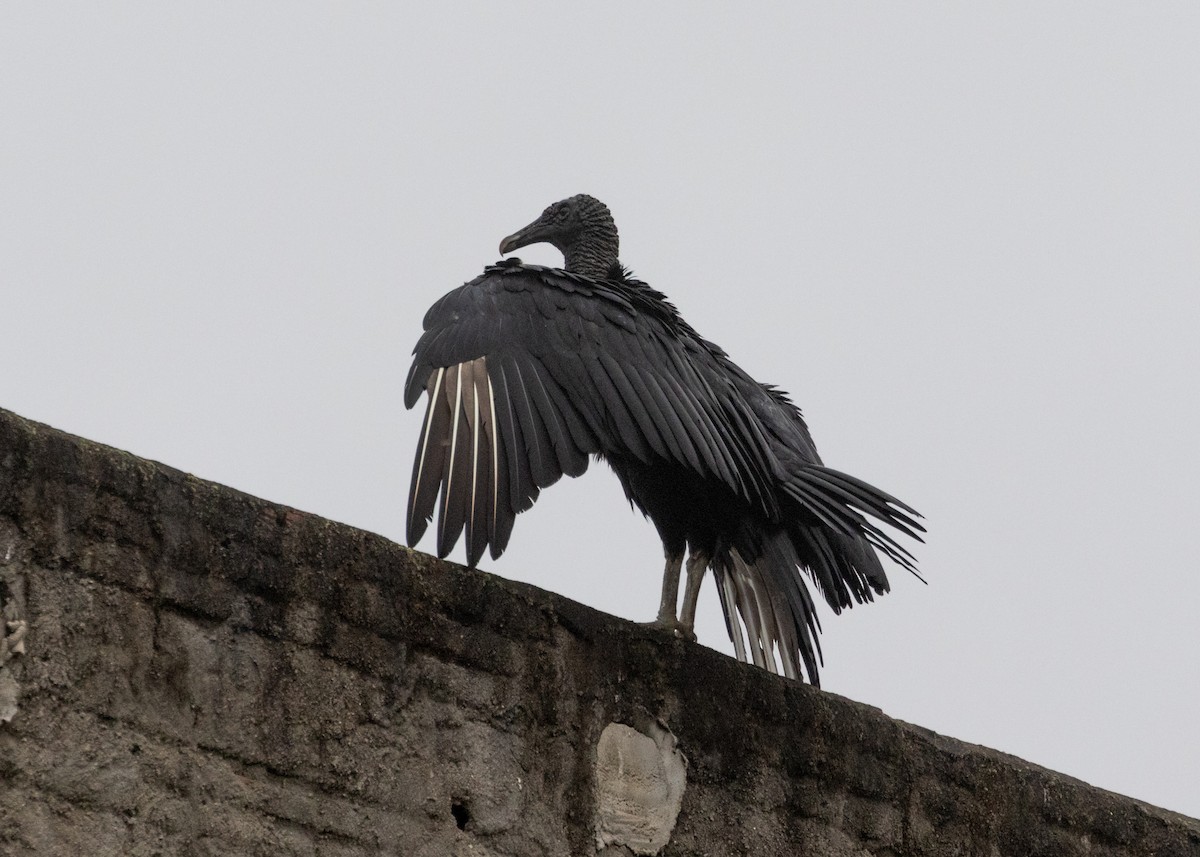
(531,370)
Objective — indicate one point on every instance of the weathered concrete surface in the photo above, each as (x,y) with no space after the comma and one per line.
(639,784)
(206,673)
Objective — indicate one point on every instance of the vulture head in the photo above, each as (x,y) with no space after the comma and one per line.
(581,228)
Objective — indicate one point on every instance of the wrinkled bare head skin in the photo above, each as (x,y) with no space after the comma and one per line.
(581,228)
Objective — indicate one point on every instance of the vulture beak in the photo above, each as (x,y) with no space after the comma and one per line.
(531,234)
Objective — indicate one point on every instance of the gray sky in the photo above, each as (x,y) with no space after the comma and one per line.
(965,237)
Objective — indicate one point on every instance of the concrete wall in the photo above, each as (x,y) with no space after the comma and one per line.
(206,673)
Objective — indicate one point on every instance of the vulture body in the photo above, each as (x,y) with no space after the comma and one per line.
(531,370)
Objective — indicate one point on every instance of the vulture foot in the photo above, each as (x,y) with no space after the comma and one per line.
(674,627)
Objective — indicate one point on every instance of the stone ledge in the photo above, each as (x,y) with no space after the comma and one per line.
(206,672)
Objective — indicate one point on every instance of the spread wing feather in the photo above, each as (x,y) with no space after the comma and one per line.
(639,406)
(533,415)
(522,489)
(431,450)
(664,415)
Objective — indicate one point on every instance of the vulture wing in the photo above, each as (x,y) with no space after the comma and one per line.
(530,370)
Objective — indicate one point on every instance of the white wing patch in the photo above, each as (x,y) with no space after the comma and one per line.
(458,465)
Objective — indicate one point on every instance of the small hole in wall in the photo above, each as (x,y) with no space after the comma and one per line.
(462,815)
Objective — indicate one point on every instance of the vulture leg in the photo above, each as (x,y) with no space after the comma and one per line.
(670,593)
(696,566)
(681,626)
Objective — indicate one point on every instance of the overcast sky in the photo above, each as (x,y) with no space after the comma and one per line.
(965,237)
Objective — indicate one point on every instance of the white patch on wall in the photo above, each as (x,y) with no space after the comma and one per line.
(640,780)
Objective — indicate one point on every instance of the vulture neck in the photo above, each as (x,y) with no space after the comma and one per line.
(595,265)
(594,252)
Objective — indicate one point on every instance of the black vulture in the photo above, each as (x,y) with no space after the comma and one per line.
(531,370)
